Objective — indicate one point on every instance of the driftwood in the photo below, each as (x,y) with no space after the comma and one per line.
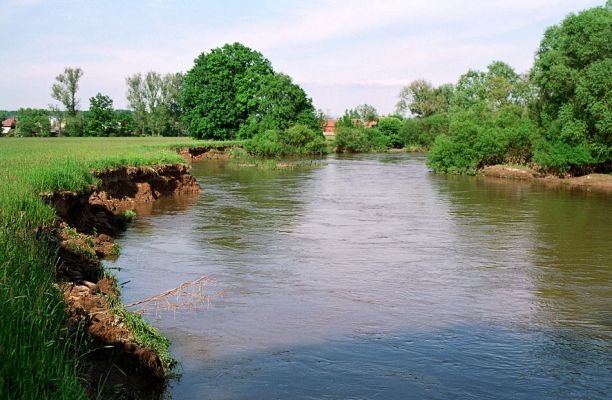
(188,295)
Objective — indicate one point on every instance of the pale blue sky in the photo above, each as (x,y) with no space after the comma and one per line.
(343,53)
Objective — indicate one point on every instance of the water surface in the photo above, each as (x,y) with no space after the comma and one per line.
(369,277)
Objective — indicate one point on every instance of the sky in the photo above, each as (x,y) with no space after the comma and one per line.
(343,53)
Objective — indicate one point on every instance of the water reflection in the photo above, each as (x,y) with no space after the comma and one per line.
(370,277)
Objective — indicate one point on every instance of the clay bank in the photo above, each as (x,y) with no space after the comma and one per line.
(87,223)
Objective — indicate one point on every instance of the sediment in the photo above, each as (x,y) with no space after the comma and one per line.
(87,223)
(201,153)
(591,182)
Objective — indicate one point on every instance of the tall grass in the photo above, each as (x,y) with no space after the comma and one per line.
(36,348)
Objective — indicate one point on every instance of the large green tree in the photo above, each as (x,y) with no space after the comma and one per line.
(220,91)
(572,74)
(280,104)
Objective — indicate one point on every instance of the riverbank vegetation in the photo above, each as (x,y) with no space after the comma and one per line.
(39,353)
(556,118)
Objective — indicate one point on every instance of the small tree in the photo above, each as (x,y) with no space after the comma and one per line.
(101,116)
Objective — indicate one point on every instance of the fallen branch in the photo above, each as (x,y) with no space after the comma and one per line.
(191,290)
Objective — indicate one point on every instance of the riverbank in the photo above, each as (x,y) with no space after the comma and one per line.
(50,263)
(126,350)
(596,182)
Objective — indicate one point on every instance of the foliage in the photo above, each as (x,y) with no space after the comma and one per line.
(351,139)
(422,99)
(124,123)
(366,113)
(154,99)
(233,91)
(422,132)
(101,116)
(33,122)
(390,127)
(572,76)
(297,140)
(64,90)
(280,104)
(478,137)
(220,91)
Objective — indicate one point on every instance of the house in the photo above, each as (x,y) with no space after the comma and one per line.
(329,129)
(8,124)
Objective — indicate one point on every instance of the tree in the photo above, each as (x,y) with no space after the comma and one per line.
(136,100)
(422,99)
(280,105)
(220,91)
(101,116)
(154,99)
(366,113)
(390,127)
(65,89)
(125,123)
(497,87)
(574,86)
(33,122)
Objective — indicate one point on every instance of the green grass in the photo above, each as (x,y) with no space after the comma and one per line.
(37,352)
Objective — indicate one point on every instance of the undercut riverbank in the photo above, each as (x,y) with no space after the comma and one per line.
(125,350)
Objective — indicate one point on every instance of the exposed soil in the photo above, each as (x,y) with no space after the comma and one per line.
(87,222)
(594,182)
(204,153)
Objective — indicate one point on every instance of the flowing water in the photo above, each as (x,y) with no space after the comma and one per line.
(369,277)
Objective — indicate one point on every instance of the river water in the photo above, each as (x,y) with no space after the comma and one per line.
(367,277)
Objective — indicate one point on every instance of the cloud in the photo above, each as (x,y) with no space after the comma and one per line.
(340,50)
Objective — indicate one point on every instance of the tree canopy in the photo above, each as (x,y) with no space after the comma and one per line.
(65,88)
(101,116)
(233,91)
(574,85)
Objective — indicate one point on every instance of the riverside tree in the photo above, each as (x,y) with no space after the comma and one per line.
(220,91)
(280,105)
(154,99)
(574,83)
(422,99)
(233,92)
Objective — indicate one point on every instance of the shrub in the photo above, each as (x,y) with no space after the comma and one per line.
(390,127)
(352,140)
(297,140)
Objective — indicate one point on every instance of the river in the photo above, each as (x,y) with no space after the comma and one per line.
(369,277)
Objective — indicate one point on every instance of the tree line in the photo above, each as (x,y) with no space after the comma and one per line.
(556,117)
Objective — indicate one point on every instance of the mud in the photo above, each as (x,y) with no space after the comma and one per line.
(590,182)
(87,222)
(205,153)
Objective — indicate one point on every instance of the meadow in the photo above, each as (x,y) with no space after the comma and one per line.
(37,348)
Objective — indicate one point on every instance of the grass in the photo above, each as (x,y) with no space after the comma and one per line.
(36,348)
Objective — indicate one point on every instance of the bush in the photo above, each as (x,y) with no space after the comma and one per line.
(422,132)
(390,127)
(297,140)
(352,140)
(478,138)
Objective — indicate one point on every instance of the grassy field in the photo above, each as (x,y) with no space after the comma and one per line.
(36,349)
